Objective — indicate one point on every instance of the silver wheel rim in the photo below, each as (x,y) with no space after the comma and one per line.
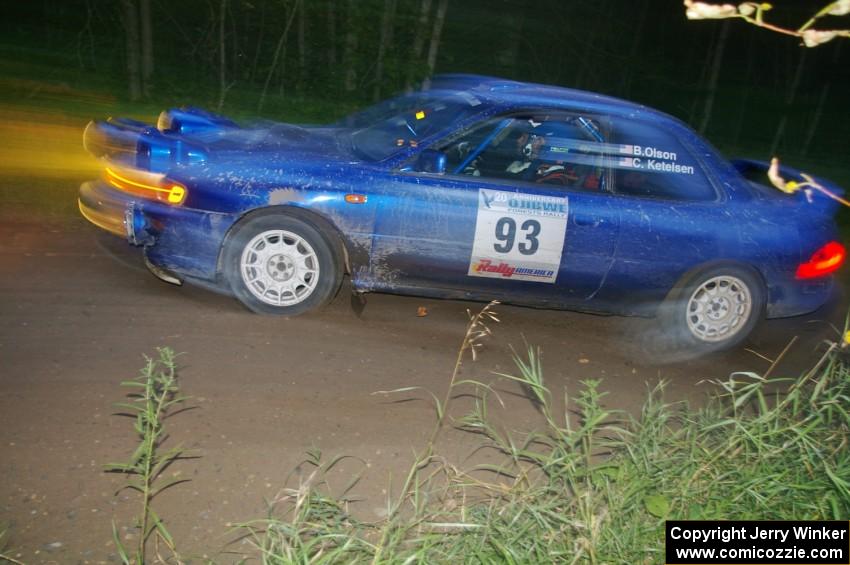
(719,308)
(279,268)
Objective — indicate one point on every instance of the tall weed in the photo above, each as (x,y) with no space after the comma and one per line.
(593,485)
(155,393)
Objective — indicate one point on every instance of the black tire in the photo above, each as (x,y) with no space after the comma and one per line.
(282,265)
(714,309)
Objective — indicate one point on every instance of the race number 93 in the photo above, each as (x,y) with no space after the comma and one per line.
(506,231)
(518,236)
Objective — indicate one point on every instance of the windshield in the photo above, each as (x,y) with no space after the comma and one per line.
(402,122)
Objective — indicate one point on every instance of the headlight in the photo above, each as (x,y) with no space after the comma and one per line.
(154,186)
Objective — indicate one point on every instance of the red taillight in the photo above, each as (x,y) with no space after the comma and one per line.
(824,261)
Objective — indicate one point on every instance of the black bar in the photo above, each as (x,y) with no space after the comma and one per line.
(756,542)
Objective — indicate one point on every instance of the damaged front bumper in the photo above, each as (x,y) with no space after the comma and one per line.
(178,242)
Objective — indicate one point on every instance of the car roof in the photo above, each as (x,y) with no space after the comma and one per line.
(498,91)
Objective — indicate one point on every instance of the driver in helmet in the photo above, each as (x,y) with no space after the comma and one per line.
(541,159)
(527,149)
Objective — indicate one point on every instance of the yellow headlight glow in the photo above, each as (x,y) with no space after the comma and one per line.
(176,194)
(146,184)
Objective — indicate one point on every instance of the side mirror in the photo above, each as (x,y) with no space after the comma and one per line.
(431,161)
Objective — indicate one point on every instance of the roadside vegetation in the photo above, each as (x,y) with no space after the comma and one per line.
(591,485)
(594,485)
(154,397)
(4,550)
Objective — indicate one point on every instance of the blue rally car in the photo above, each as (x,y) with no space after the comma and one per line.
(477,188)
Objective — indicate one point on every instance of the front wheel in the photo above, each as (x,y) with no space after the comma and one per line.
(279,264)
(715,309)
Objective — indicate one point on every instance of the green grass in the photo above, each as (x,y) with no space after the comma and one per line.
(590,485)
(155,396)
(5,552)
(593,485)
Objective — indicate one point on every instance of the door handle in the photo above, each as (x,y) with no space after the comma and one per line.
(581,220)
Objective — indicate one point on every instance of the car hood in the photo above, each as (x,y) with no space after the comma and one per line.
(270,139)
(192,137)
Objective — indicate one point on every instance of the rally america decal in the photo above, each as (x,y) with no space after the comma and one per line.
(518,236)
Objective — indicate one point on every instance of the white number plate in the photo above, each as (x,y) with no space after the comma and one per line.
(518,236)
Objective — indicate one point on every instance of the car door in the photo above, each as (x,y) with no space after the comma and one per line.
(472,231)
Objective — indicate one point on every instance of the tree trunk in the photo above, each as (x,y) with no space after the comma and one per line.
(824,96)
(637,33)
(147,46)
(386,41)
(789,101)
(350,46)
(302,46)
(84,33)
(508,54)
(434,46)
(222,55)
(260,37)
(716,65)
(597,26)
(815,121)
(418,44)
(131,28)
(331,42)
(703,66)
(280,44)
(742,106)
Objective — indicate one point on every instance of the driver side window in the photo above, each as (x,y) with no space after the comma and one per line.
(555,150)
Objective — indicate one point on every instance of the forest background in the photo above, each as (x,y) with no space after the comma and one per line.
(751,92)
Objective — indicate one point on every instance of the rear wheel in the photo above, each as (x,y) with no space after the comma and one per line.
(716,308)
(279,264)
